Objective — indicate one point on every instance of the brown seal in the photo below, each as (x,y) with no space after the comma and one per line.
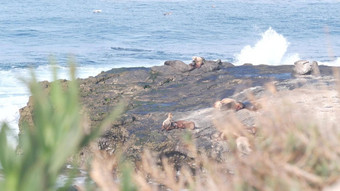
(229,104)
(184,125)
(167,124)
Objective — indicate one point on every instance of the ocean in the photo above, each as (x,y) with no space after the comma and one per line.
(105,34)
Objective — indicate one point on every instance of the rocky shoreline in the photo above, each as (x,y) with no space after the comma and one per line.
(188,93)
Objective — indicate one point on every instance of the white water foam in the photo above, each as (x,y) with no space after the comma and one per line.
(335,62)
(14,94)
(271,49)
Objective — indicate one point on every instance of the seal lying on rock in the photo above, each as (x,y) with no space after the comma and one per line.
(167,124)
(304,67)
(229,104)
(197,62)
(184,125)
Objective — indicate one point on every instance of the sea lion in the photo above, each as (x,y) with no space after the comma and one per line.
(167,124)
(184,125)
(229,104)
(197,62)
(305,67)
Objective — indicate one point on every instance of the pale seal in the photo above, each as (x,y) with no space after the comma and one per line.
(197,62)
(229,104)
(167,124)
(305,67)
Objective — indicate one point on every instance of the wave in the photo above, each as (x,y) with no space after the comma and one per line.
(130,49)
(135,54)
(335,62)
(271,49)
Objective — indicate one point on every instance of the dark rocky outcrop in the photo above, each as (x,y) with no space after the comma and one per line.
(178,65)
(151,93)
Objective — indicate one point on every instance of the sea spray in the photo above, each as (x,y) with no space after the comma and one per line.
(335,62)
(14,94)
(270,49)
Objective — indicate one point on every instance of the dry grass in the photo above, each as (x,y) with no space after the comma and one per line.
(296,147)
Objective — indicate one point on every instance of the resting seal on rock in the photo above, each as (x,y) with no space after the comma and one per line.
(305,67)
(229,104)
(167,124)
(184,125)
(197,62)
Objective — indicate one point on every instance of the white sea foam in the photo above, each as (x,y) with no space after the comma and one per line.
(335,62)
(271,49)
(14,94)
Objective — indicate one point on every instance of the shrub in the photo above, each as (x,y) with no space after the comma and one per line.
(60,130)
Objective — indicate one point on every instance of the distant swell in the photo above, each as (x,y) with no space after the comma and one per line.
(271,49)
(146,54)
(130,49)
(335,62)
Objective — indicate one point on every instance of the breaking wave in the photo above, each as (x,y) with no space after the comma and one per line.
(271,49)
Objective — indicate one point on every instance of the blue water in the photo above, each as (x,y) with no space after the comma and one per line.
(148,32)
(32,30)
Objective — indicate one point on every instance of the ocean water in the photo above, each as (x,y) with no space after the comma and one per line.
(126,33)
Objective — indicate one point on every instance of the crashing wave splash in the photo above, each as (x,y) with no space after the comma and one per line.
(270,49)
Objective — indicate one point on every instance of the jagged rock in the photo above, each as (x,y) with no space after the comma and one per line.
(178,65)
(151,93)
(210,66)
(226,64)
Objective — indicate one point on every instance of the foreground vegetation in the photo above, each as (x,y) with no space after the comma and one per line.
(289,152)
(60,130)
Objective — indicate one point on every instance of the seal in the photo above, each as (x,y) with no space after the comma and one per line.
(197,62)
(167,124)
(229,104)
(184,125)
(305,67)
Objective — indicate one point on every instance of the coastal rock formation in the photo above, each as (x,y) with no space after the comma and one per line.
(151,93)
(178,65)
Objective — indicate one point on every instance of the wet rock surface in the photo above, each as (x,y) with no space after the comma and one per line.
(151,93)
